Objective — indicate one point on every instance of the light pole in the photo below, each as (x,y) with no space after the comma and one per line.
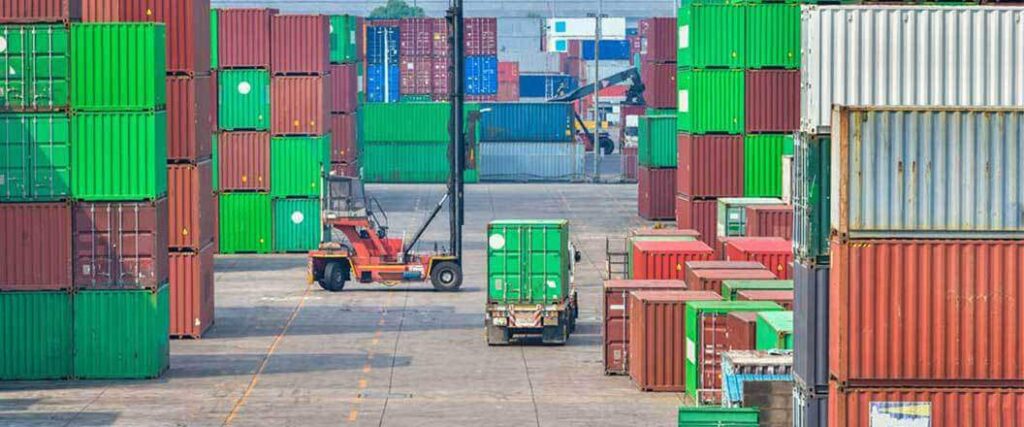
(595,137)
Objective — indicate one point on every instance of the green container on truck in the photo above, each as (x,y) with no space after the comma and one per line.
(35,336)
(343,39)
(297,226)
(812,162)
(773,35)
(35,157)
(245,223)
(656,145)
(762,163)
(130,146)
(633,239)
(704,357)
(405,162)
(732,213)
(774,330)
(715,416)
(529,280)
(712,36)
(297,165)
(214,39)
(711,101)
(122,334)
(118,67)
(34,59)
(731,288)
(243,100)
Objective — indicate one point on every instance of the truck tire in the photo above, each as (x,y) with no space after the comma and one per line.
(498,335)
(334,277)
(446,276)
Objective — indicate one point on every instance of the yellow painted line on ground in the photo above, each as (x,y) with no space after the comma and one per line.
(353,416)
(362,383)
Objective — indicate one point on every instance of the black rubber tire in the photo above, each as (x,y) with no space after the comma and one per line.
(334,277)
(498,335)
(446,276)
(607,146)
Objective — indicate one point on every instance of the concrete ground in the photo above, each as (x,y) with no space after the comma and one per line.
(284,353)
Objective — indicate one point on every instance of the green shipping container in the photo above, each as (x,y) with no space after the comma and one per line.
(712,36)
(215,158)
(633,239)
(119,156)
(714,416)
(297,226)
(711,101)
(214,39)
(245,223)
(405,162)
(243,100)
(528,261)
(34,60)
(297,165)
(122,334)
(732,214)
(812,160)
(657,141)
(762,164)
(421,122)
(730,288)
(118,67)
(660,111)
(343,39)
(35,157)
(35,336)
(774,330)
(774,35)
(710,314)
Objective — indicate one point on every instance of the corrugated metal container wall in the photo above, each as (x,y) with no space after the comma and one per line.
(508,81)
(131,146)
(297,165)
(762,163)
(190,196)
(406,161)
(36,11)
(120,245)
(719,265)
(810,325)
(189,129)
(416,76)
(244,161)
(297,227)
(656,193)
(775,253)
(381,87)
(770,221)
(658,41)
(191,292)
(481,75)
(710,165)
(344,88)
(188,29)
(546,85)
(382,45)
(122,333)
(925,406)
(300,44)
(855,56)
(772,100)
(344,137)
(36,332)
(811,196)
(118,67)
(244,38)
(528,262)
(522,122)
(243,100)
(36,157)
(783,298)
(951,312)
(711,101)
(35,59)
(245,223)
(215,100)
(711,279)
(657,341)
(657,141)
(35,246)
(610,50)
(481,36)
(531,161)
(654,260)
(423,122)
(732,213)
(345,33)
(928,173)
(712,36)
(809,409)
(214,49)
(630,163)
(615,331)
(301,106)
(773,37)
(660,83)
(700,215)
(741,330)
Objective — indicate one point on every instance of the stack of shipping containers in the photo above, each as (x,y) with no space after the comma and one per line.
(522,142)
(345,70)
(508,82)
(383,39)
(656,150)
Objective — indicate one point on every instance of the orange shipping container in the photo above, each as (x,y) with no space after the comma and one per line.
(192,296)
(664,260)
(300,105)
(244,161)
(35,246)
(616,318)
(244,37)
(939,407)
(300,45)
(190,196)
(774,252)
(189,118)
(711,280)
(657,338)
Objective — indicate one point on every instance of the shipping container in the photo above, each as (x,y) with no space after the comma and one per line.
(381,87)
(508,82)
(344,30)
(214,48)
(243,162)
(762,154)
(35,157)
(630,161)
(658,42)
(344,88)
(546,85)
(298,165)
(732,288)
(531,161)
(35,60)
(345,137)
(350,169)
(773,37)
(189,102)
(608,50)
(775,330)
(526,122)
(405,161)
(244,100)
(297,226)
(655,195)
(660,84)
(904,173)
(783,298)
(732,214)
(664,260)
(36,332)
(810,325)
(416,78)
(528,261)
(700,215)
(958,312)
(132,147)
(680,236)
(810,409)
(770,221)
(925,406)
(383,45)
(741,330)
(775,253)
(481,75)
(712,279)
(711,101)
(710,165)
(40,11)
(657,339)
(245,224)
(244,38)
(615,330)
(657,141)
(122,334)
(191,292)
(712,36)
(35,246)
(772,100)
(812,162)
(417,36)
(190,199)
(187,25)
(843,45)
(300,44)
(120,245)
(301,106)
(118,67)
(481,36)
(214,101)
(711,416)
(719,264)
(422,122)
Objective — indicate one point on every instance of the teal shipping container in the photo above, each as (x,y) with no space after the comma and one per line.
(34,60)
(122,334)
(35,336)
(243,100)
(35,157)
(657,144)
(297,225)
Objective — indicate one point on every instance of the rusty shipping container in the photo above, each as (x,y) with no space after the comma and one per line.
(192,295)
(710,165)
(344,138)
(417,36)
(700,215)
(658,41)
(660,83)
(300,45)
(711,280)
(189,118)
(344,88)
(773,101)
(657,339)
(927,312)
(120,245)
(615,332)
(657,188)
(783,298)
(741,330)
(301,105)
(40,11)
(35,246)
(770,221)
(508,82)
(417,76)
(244,37)
(243,161)
(190,200)
(481,36)
(939,407)
(653,260)
(774,252)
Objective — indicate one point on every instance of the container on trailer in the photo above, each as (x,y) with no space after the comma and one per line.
(741,330)
(653,260)
(300,44)
(422,122)
(720,265)
(866,407)
(118,67)
(191,292)
(712,416)
(712,36)
(297,165)
(528,262)
(657,141)
(732,287)
(344,31)
(773,39)
(40,11)
(711,280)
(120,245)
(243,100)
(189,102)
(297,226)
(523,122)
(244,38)
(531,161)
(187,23)
(763,153)
(783,298)
(732,213)
(774,252)
(546,85)
(190,199)
(810,409)
(344,137)
(658,41)
(700,215)
(772,100)
(245,223)
(122,334)
(405,161)
(657,338)
(710,165)
(481,75)
(244,161)
(344,88)
(481,36)
(774,330)
(35,60)
(615,330)
(811,325)
(903,172)
(657,188)
(812,196)
(132,146)
(35,157)
(35,246)
(770,221)
(301,106)
(711,101)
(36,332)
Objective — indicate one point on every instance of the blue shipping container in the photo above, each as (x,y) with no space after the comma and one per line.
(382,44)
(546,85)
(611,50)
(376,83)
(481,75)
(526,122)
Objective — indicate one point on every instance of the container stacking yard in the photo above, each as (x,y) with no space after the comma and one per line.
(800,214)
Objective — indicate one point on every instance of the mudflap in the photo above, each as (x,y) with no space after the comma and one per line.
(498,335)
(558,334)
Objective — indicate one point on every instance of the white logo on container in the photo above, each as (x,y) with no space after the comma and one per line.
(244,88)
(332,29)
(496,241)
(298,217)
(3,44)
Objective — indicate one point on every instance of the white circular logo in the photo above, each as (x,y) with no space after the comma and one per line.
(244,88)
(298,217)
(332,29)
(496,241)
(3,44)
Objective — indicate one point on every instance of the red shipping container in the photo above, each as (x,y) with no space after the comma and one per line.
(120,245)
(658,41)
(300,45)
(783,298)
(346,169)
(653,260)
(439,79)
(700,215)
(244,37)
(711,280)
(344,144)
(657,338)
(654,232)
(35,246)
(300,105)
(630,162)
(657,189)
(192,294)
(187,23)
(660,84)
(40,11)
(189,130)
(481,36)
(417,76)
(190,197)
(710,165)
(720,265)
(509,92)
(575,49)
(508,72)
(770,221)
(344,88)
(927,312)
(615,333)
(440,38)
(772,101)
(741,330)
(417,36)
(939,407)
(244,161)
(775,253)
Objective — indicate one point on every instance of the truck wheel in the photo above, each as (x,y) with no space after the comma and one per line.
(334,277)
(554,335)
(498,335)
(446,276)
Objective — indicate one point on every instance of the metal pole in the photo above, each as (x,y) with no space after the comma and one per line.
(596,139)
(457,152)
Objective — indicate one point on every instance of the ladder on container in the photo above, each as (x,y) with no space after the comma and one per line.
(617,259)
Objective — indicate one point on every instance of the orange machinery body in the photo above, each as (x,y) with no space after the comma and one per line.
(371,258)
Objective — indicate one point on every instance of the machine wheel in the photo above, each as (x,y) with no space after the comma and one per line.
(607,145)
(498,335)
(446,276)
(334,277)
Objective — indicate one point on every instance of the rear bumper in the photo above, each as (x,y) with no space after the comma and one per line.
(526,316)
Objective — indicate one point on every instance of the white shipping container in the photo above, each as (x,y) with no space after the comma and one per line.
(531,161)
(576,28)
(909,55)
